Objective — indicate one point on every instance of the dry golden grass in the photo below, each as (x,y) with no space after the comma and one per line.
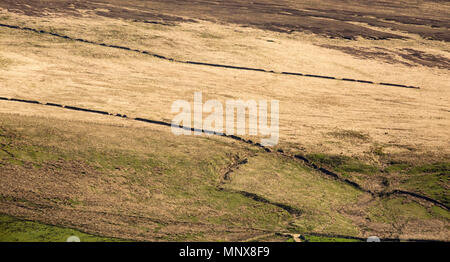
(56,70)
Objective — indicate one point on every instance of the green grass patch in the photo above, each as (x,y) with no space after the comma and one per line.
(432,168)
(328,239)
(114,159)
(20,153)
(430,179)
(397,168)
(398,209)
(342,164)
(433,185)
(403,168)
(16,230)
(440,212)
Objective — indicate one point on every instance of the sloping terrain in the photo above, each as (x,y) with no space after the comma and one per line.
(113,178)
(342,19)
(355,158)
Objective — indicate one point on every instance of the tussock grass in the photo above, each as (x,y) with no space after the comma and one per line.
(343,164)
(5,62)
(351,135)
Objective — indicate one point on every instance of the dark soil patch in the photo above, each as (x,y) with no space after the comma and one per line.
(413,57)
(329,18)
(424,59)
(365,53)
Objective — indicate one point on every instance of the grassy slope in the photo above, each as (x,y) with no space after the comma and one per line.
(16,230)
(373,151)
(429,179)
(143,183)
(137,171)
(288,182)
